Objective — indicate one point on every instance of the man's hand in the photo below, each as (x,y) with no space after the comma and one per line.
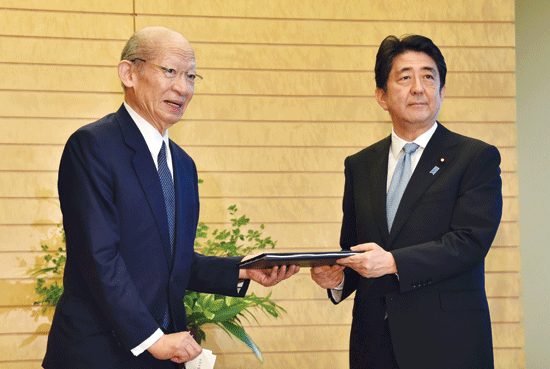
(326,276)
(374,262)
(268,277)
(178,347)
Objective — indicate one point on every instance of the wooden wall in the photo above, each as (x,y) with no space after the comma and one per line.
(288,93)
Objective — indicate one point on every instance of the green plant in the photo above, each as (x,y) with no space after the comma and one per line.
(47,286)
(223,311)
(201,308)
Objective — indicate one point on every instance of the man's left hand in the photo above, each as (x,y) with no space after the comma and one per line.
(268,277)
(373,263)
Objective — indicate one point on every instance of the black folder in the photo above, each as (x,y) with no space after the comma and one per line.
(303,259)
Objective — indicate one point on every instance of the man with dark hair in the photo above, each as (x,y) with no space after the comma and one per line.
(423,205)
(130,203)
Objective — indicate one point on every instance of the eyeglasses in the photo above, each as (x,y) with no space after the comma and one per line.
(172,73)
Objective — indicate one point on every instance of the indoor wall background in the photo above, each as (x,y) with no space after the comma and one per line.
(288,93)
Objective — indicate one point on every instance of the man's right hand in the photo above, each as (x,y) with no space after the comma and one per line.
(326,276)
(178,347)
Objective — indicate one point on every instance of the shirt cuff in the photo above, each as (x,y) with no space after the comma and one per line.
(147,343)
(337,291)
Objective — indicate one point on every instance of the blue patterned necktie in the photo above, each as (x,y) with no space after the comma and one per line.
(399,182)
(167,184)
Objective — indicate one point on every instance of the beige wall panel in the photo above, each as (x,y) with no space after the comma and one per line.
(304,339)
(317,360)
(510,210)
(508,335)
(510,184)
(23,320)
(25,130)
(29,211)
(503,284)
(23,347)
(60,51)
(338,58)
(30,157)
(16,265)
(316,236)
(505,259)
(270,184)
(285,83)
(507,235)
(291,210)
(289,159)
(466,59)
(498,134)
(338,109)
(101,6)
(509,158)
(334,83)
(470,10)
(322,32)
(59,104)
(59,78)
(310,313)
(27,364)
(66,25)
(480,84)
(28,237)
(28,184)
(478,110)
(285,134)
(329,134)
(509,358)
(17,293)
(506,310)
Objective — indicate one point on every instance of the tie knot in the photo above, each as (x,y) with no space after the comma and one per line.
(410,148)
(162,152)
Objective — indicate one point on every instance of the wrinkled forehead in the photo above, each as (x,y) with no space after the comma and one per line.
(177,48)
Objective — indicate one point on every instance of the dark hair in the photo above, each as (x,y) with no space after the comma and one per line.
(393,46)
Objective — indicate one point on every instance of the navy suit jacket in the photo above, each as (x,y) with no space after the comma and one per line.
(447,219)
(119,277)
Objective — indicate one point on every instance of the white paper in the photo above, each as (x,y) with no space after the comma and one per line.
(205,360)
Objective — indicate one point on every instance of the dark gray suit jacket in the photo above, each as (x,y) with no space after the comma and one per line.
(444,226)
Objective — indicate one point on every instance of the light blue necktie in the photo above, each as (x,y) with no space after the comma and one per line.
(167,184)
(399,181)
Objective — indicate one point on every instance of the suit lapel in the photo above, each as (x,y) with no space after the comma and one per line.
(147,174)
(379,175)
(437,156)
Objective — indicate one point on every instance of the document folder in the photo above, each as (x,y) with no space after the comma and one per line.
(303,259)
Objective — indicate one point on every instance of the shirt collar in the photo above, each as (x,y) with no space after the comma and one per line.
(152,137)
(397,142)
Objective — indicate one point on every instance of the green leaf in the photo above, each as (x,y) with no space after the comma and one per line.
(240,333)
(231,311)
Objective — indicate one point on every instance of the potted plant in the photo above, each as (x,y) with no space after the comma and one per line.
(201,308)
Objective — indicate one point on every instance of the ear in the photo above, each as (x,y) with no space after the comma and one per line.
(381,97)
(442,92)
(126,73)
